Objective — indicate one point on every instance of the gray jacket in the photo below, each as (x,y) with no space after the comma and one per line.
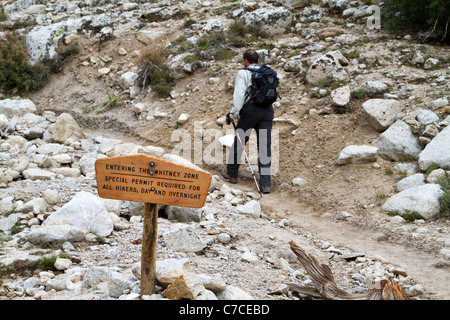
(242,87)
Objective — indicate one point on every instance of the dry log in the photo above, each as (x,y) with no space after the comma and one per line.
(326,288)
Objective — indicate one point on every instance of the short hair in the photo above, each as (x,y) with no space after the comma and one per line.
(251,56)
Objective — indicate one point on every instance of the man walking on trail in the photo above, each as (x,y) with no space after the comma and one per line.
(251,116)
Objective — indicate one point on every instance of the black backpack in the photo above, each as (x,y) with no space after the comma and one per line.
(264,86)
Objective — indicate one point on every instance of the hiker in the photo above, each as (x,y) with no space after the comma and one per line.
(250,115)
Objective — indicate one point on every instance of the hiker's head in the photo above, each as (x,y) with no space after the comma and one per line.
(251,56)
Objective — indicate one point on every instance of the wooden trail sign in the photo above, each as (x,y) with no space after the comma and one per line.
(144,178)
(152,180)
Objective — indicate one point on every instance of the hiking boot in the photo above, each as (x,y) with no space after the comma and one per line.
(228,177)
(265,189)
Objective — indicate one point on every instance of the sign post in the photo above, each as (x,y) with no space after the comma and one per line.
(154,181)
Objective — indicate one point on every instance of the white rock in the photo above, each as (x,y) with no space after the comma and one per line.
(153,151)
(346,39)
(374,87)
(38,174)
(85,211)
(7,223)
(180,160)
(127,79)
(118,283)
(36,205)
(62,264)
(252,208)
(66,129)
(293,4)
(54,233)
(183,118)
(435,175)
(423,200)
(381,113)
(149,35)
(437,151)
(233,293)
(326,67)
(341,96)
(398,141)
(249,256)
(338,5)
(224,238)
(438,103)
(430,63)
(42,40)
(213,25)
(298,181)
(357,154)
(426,117)
(103,71)
(411,181)
(11,108)
(183,238)
(269,21)
(227,141)
(6,205)
(169,270)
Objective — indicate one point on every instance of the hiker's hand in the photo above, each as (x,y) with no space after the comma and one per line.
(234,116)
(228,119)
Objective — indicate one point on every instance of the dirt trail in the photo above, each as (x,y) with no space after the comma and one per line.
(420,265)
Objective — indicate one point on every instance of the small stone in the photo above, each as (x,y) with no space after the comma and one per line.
(299,181)
(249,256)
(343,215)
(279,289)
(185,287)
(400,271)
(224,238)
(62,264)
(103,71)
(341,96)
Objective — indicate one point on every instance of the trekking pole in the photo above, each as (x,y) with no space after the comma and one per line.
(228,120)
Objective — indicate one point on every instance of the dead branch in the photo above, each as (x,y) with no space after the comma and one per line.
(432,30)
(446,29)
(326,288)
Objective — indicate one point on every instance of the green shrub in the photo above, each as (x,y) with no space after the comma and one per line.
(418,15)
(16,72)
(3,15)
(215,45)
(155,72)
(112,101)
(69,52)
(64,56)
(27,267)
(359,94)
(408,215)
(237,33)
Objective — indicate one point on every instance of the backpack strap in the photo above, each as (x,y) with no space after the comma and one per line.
(249,92)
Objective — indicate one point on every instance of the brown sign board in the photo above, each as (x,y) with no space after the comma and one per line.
(144,178)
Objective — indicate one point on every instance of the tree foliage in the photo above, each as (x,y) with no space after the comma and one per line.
(430,16)
(16,73)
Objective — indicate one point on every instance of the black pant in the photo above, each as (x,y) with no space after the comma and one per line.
(260,119)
